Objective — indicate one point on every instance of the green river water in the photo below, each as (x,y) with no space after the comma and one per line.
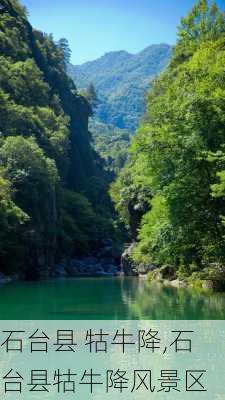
(106,298)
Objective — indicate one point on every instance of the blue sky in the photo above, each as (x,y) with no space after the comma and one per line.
(94,27)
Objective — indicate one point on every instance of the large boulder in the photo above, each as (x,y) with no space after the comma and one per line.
(60,271)
(177,283)
(144,269)
(164,273)
(128,266)
(102,262)
(209,285)
(4,279)
(168,272)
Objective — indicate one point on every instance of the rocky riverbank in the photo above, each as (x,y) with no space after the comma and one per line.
(211,277)
(130,268)
(105,261)
(208,278)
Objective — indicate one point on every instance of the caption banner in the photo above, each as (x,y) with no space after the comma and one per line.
(112,359)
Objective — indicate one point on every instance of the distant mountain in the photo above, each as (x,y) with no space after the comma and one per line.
(121,80)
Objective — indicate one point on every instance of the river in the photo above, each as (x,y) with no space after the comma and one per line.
(106,298)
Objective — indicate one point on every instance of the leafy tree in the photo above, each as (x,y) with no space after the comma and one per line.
(204,23)
(46,158)
(12,221)
(91,96)
(178,152)
(111,143)
(64,48)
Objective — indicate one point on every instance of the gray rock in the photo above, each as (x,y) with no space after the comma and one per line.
(144,269)
(60,271)
(157,275)
(128,266)
(168,272)
(112,269)
(107,260)
(101,263)
(209,285)
(105,252)
(107,243)
(90,260)
(4,279)
(178,284)
(74,263)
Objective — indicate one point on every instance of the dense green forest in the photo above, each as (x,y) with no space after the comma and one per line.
(55,175)
(171,193)
(121,80)
(53,189)
(111,144)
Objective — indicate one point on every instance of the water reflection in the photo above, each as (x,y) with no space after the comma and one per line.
(155,301)
(126,298)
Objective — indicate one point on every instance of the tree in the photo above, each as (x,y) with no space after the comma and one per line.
(64,48)
(45,153)
(178,152)
(12,221)
(91,96)
(204,22)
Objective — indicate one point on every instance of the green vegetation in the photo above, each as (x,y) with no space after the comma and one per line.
(53,189)
(172,191)
(115,85)
(121,80)
(55,174)
(111,144)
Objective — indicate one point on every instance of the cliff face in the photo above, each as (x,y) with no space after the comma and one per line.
(27,43)
(50,177)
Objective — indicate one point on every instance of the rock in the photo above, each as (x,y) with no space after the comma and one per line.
(209,284)
(103,262)
(156,275)
(17,277)
(82,266)
(144,269)
(107,260)
(105,252)
(100,269)
(4,279)
(59,271)
(168,272)
(178,284)
(112,269)
(90,266)
(107,243)
(89,260)
(128,266)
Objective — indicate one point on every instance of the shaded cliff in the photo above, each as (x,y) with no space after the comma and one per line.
(51,180)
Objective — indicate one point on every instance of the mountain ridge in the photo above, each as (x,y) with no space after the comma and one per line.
(121,80)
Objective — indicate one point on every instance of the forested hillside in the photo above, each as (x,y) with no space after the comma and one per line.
(53,191)
(111,143)
(121,80)
(117,84)
(172,191)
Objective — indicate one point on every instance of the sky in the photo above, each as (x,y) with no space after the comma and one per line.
(95,27)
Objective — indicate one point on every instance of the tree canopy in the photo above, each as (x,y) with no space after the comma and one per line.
(51,179)
(176,165)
